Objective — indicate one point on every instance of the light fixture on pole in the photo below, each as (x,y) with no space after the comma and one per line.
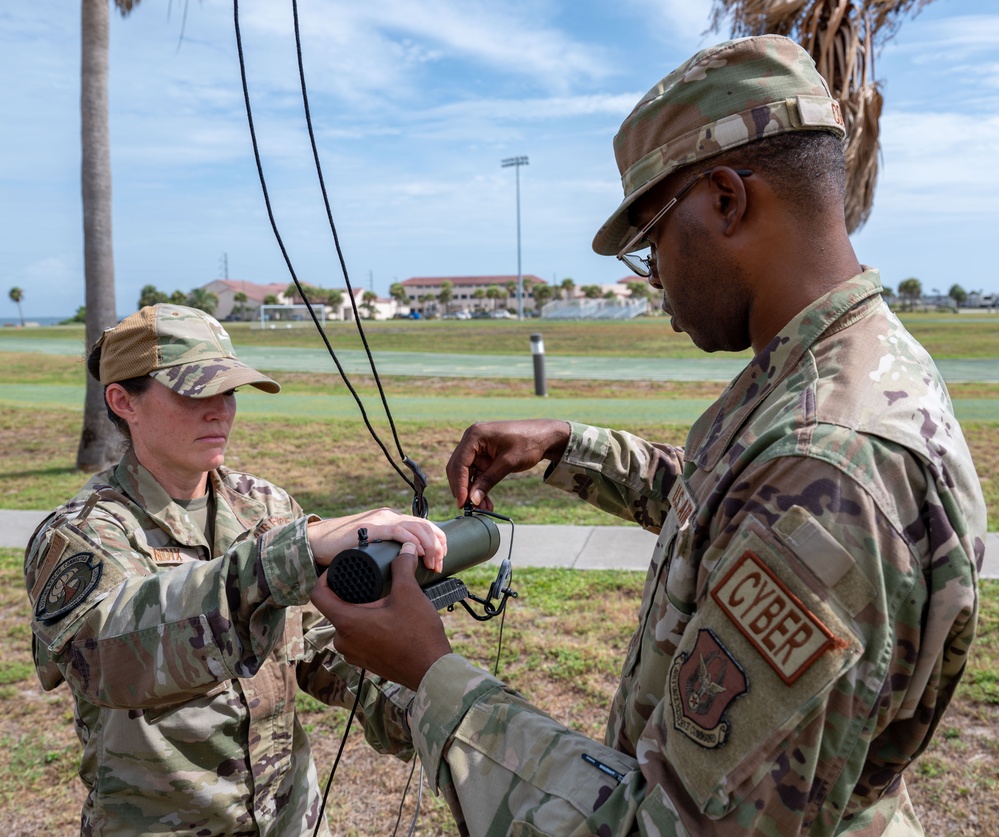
(517,162)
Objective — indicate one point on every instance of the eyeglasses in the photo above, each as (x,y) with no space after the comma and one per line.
(642,265)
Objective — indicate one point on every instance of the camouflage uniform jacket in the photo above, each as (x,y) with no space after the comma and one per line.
(184,670)
(806,615)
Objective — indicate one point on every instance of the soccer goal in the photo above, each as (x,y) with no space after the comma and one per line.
(290,316)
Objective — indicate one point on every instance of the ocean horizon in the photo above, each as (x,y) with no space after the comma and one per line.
(8,322)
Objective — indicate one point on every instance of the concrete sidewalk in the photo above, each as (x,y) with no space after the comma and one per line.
(578,547)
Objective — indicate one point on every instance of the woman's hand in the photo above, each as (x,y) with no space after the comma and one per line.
(330,537)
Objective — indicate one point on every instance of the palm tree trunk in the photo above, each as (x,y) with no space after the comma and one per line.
(98,438)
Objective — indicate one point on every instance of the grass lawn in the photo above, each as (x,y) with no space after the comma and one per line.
(944,336)
(955,784)
(559,650)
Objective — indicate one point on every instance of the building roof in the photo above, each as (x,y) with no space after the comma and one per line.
(360,292)
(458,281)
(252,290)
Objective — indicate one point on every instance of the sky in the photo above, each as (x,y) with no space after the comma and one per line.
(415,103)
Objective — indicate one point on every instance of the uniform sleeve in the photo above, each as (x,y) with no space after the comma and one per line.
(619,473)
(383,706)
(505,767)
(826,643)
(98,611)
(823,647)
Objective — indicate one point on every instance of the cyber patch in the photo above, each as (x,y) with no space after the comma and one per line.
(68,586)
(774,620)
(703,684)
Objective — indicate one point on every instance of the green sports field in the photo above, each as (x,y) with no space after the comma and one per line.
(438,377)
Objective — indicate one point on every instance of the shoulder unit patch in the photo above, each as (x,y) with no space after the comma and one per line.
(703,684)
(68,586)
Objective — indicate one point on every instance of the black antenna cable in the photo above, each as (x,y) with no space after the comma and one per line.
(418,481)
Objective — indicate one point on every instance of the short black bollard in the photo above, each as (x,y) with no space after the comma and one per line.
(538,351)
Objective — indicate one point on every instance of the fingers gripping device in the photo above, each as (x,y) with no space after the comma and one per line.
(364,573)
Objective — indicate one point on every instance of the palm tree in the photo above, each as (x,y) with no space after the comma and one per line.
(239,308)
(368,300)
(542,294)
(494,293)
(334,299)
(910,290)
(511,290)
(203,300)
(397,291)
(98,437)
(149,295)
(446,294)
(842,37)
(568,287)
(16,295)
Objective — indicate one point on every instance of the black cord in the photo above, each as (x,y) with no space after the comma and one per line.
(287,259)
(405,793)
(418,482)
(339,752)
(499,641)
(336,237)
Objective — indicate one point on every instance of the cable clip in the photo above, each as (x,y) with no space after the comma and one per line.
(421,508)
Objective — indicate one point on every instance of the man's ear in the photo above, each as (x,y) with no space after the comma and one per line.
(120,401)
(730,198)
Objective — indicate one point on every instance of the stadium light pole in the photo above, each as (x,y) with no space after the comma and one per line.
(517,162)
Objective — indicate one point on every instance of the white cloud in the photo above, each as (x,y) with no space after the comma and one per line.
(388,48)
(950,40)
(938,163)
(682,23)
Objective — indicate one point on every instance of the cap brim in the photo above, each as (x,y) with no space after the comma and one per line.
(211,377)
(617,230)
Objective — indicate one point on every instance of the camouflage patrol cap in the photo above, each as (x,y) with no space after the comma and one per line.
(725,96)
(183,348)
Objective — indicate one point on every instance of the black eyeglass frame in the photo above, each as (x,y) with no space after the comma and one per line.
(642,266)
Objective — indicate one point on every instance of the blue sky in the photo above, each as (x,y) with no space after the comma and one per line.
(415,104)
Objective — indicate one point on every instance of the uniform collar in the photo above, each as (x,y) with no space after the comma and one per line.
(711,434)
(141,486)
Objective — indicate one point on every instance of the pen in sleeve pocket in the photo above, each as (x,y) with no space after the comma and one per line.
(603,768)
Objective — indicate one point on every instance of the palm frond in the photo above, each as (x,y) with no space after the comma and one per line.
(842,37)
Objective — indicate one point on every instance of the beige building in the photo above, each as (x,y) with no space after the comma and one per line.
(230,308)
(469,293)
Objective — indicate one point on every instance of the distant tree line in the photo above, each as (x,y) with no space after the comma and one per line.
(541,292)
(198,298)
(910,293)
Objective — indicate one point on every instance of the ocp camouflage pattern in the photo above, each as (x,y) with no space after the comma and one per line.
(723,97)
(183,348)
(807,612)
(184,670)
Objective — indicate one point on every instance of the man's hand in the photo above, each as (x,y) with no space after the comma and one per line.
(399,637)
(328,538)
(489,451)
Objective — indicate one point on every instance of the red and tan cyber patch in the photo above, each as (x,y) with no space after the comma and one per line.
(775,621)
